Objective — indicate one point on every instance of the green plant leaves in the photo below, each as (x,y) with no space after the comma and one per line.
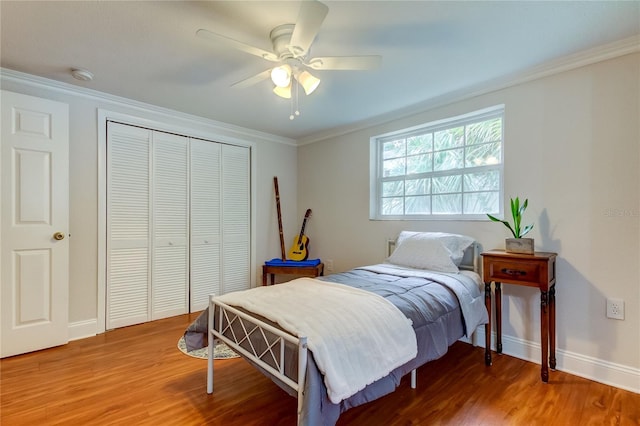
(526,230)
(517,211)
(495,219)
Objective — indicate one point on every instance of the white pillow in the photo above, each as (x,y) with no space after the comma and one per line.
(455,243)
(423,253)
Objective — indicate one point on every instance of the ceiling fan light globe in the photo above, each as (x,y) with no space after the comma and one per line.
(308,82)
(283,92)
(281,76)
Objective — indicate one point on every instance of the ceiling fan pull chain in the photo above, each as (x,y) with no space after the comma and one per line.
(295,113)
(291,116)
(297,92)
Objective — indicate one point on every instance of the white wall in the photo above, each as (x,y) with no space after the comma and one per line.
(272,156)
(572,148)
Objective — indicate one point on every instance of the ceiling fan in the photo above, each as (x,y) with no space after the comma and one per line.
(291,44)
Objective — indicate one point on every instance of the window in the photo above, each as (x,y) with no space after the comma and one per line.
(450,169)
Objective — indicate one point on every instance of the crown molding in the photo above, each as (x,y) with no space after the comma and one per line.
(241,133)
(591,56)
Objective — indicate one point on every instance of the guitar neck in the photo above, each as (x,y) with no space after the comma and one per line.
(304,223)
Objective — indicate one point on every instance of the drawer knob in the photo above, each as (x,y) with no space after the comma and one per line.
(513,271)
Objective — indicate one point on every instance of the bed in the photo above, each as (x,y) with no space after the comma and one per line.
(308,335)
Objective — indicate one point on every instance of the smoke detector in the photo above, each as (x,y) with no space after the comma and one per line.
(80,74)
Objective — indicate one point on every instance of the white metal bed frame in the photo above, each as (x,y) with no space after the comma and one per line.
(251,329)
(253,333)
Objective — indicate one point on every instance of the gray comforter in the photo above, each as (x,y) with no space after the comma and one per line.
(430,303)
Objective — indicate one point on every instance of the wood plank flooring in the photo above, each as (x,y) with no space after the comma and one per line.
(137,376)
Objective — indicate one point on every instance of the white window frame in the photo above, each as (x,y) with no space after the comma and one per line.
(376,162)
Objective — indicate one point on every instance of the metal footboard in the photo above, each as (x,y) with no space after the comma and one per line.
(259,342)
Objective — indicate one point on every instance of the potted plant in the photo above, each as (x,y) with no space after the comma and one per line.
(517,244)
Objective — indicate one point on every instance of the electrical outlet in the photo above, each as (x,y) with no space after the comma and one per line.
(328,264)
(615,309)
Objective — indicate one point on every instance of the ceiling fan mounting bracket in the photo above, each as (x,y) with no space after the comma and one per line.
(281,41)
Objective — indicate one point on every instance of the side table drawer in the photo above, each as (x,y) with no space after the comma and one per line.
(512,270)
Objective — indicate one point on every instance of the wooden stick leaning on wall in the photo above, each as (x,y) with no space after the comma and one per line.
(282,249)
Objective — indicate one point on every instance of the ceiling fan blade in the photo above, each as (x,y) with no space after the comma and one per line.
(252,50)
(252,80)
(345,62)
(310,18)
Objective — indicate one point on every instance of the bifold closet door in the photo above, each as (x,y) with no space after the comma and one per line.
(178,223)
(128,225)
(206,274)
(147,225)
(170,226)
(220,220)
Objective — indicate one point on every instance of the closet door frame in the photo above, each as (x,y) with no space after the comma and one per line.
(170,123)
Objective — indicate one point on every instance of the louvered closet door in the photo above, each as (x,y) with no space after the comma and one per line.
(205,222)
(235,218)
(178,223)
(128,225)
(170,255)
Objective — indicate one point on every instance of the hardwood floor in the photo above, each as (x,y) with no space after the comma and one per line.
(137,376)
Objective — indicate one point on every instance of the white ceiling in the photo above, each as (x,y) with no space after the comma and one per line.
(148,51)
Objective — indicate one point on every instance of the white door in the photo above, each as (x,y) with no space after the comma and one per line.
(128,225)
(35,224)
(206,243)
(170,222)
(147,225)
(236,218)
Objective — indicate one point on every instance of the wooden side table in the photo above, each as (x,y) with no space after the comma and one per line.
(305,271)
(532,270)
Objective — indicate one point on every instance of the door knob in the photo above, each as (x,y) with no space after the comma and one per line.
(58,236)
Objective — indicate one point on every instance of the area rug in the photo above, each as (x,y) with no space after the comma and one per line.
(220,351)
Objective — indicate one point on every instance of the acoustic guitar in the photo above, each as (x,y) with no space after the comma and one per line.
(299,249)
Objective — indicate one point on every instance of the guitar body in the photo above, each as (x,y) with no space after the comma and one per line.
(300,248)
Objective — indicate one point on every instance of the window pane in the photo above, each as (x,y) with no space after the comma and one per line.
(393,167)
(483,155)
(450,167)
(449,138)
(481,202)
(447,184)
(480,181)
(419,164)
(485,131)
(393,188)
(393,149)
(392,206)
(447,160)
(419,144)
(447,204)
(417,186)
(418,205)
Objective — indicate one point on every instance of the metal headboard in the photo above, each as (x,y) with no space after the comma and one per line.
(470,260)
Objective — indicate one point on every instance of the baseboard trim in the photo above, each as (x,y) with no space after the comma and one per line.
(82,329)
(608,373)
